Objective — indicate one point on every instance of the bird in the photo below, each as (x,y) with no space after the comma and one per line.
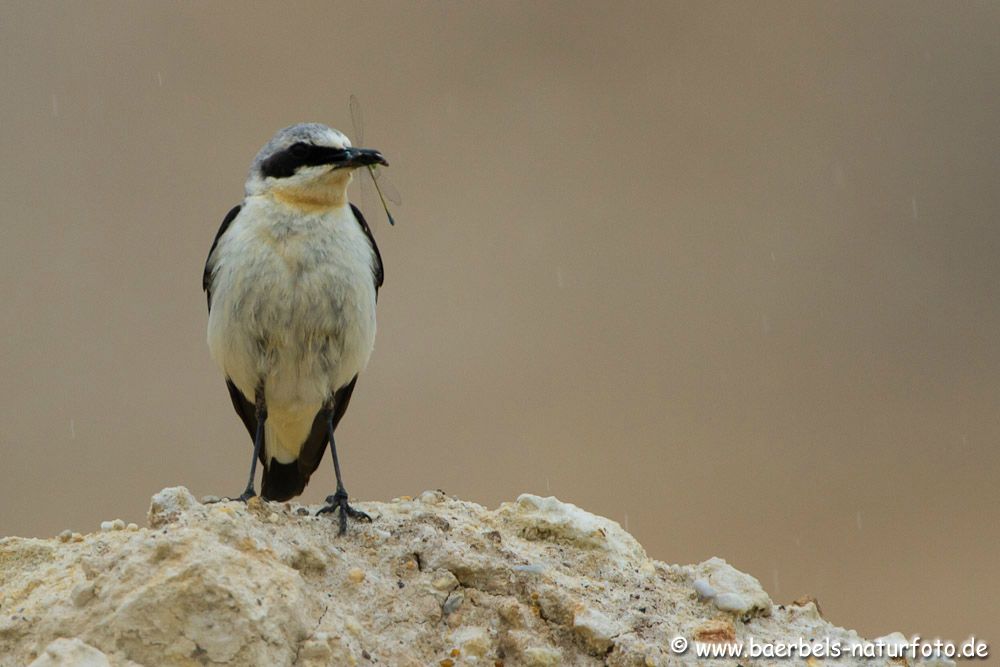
(292,280)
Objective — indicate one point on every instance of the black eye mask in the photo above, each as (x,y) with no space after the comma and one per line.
(285,163)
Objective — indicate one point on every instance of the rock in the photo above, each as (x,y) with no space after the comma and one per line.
(729,589)
(895,639)
(70,653)
(452,602)
(169,504)
(717,630)
(83,593)
(597,629)
(542,656)
(550,519)
(117,524)
(471,641)
(433,580)
(704,589)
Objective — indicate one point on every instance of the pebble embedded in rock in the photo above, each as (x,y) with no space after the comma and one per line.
(719,630)
(732,602)
(595,627)
(454,601)
(431,497)
(82,593)
(65,652)
(445,582)
(356,575)
(704,589)
(542,656)
(474,641)
(735,591)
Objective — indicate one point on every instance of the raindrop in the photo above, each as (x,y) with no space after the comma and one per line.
(857,519)
(72,429)
(159,79)
(913,202)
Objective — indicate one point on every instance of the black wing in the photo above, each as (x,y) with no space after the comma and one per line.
(377,268)
(206,278)
(245,409)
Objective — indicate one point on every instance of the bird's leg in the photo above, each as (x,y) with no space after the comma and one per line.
(338,501)
(258,442)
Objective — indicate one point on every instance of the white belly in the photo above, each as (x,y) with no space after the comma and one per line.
(293,310)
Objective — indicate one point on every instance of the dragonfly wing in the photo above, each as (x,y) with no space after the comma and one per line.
(389,190)
(386,190)
(364,184)
(358,121)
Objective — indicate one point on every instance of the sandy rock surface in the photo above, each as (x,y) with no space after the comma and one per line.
(431,581)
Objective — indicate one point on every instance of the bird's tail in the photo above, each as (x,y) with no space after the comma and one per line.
(282,481)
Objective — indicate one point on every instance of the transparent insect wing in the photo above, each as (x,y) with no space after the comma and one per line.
(389,190)
(386,189)
(358,120)
(358,125)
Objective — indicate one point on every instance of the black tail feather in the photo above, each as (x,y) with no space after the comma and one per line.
(282,481)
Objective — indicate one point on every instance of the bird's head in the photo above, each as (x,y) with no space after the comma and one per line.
(308,165)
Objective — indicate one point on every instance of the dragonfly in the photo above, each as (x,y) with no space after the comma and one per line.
(386,190)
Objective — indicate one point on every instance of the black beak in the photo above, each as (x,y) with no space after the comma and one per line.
(361,157)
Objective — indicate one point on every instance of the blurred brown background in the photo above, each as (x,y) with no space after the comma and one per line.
(726,273)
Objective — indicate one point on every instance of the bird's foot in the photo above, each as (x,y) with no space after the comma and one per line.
(243,497)
(338,501)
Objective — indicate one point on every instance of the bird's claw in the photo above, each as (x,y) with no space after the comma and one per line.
(338,501)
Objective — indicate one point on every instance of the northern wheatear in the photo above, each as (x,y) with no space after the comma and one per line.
(292,279)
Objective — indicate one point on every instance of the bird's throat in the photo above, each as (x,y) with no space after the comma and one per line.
(324,193)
